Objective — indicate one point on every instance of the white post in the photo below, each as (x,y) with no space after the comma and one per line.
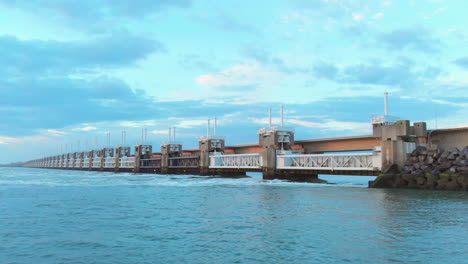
(269,118)
(208,128)
(282,120)
(215,127)
(385,103)
(173,130)
(169,135)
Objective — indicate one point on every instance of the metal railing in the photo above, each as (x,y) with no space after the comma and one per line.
(240,161)
(86,163)
(127,162)
(356,161)
(109,162)
(384,119)
(187,161)
(154,162)
(97,162)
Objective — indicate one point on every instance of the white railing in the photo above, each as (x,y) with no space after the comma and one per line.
(384,119)
(356,161)
(86,163)
(97,162)
(70,163)
(77,163)
(109,162)
(240,161)
(153,162)
(127,162)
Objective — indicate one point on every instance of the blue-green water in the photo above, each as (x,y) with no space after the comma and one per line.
(53,216)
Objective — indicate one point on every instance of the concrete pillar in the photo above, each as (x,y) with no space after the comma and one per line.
(268,155)
(141,152)
(136,168)
(67,160)
(207,145)
(81,160)
(398,141)
(118,155)
(167,151)
(91,159)
(103,158)
(273,140)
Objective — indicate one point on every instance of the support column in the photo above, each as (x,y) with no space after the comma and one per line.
(169,150)
(91,159)
(136,167)
(103,158)
(141,152)
(118,155)
(274,140)
(398,140)
(82,155)
(269,163)
(207,145)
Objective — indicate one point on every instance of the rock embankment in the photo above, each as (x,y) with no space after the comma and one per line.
(430,168)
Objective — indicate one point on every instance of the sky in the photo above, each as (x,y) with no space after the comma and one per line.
(73,71)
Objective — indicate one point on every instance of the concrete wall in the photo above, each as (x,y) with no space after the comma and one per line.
(449,138)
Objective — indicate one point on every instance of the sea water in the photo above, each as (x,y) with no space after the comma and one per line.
(64,216)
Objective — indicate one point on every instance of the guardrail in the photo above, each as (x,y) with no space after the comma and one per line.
(240,161)
(154,162)
(96,163)
(356,161)
(127,162)
(187,161)
(109,162)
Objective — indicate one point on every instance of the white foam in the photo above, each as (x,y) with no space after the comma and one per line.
(53,178)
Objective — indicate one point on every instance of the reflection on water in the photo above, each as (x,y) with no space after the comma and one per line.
(52,216)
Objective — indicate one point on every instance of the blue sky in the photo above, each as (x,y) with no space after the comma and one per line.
(73,70)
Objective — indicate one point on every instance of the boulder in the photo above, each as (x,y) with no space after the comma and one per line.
(421,180)
(429,160)
(452,156)
(441,183)
(421,158)
(452,186)
(445,154)
(444,166)
(464,152)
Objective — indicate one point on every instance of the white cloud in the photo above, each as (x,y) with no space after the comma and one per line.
(378,15)
(56,132)
(160,132)
(86,128)
(7,140)
(358,17)
(387,3)
(326,124)
(191,123)
(238,75)
(143,123)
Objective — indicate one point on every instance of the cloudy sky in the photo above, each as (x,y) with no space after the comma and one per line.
(70,71)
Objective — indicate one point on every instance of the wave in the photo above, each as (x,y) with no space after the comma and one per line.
(52,178)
